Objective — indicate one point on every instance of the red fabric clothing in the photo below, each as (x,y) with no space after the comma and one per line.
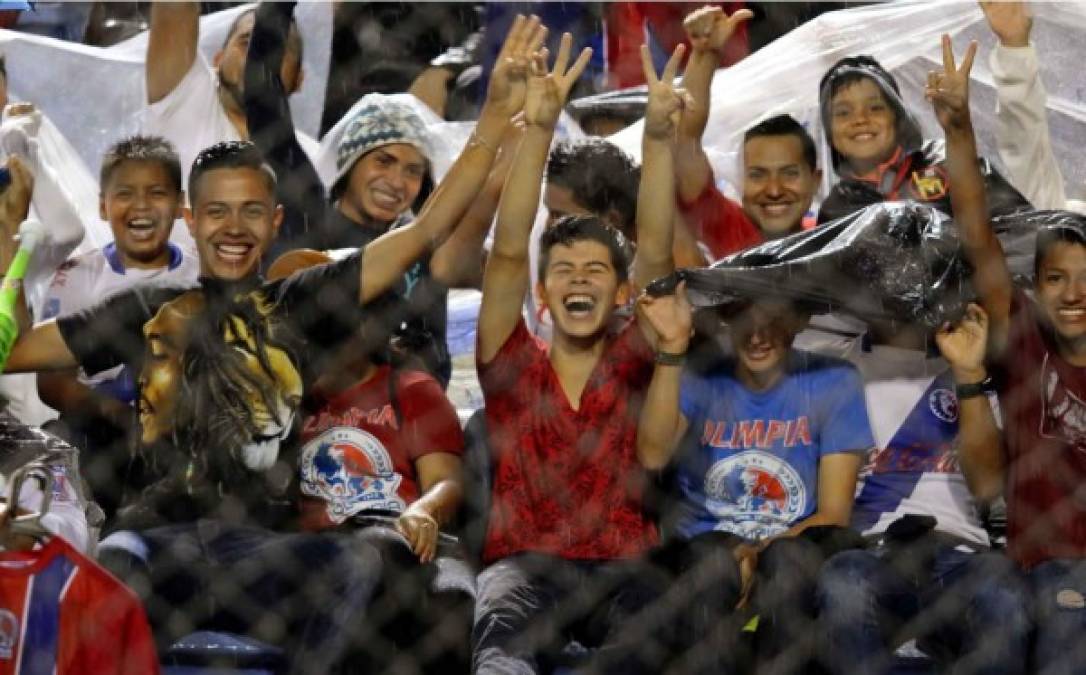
(566,482)
(1043,403)
(60,612)
(357,457)
(628,24)
(720,223)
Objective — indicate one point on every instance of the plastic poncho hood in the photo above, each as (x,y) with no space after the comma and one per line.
(907,129)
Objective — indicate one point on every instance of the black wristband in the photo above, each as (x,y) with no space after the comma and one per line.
(670,358)
(964,391)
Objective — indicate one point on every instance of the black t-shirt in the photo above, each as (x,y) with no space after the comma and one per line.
(413,312)
(301,320)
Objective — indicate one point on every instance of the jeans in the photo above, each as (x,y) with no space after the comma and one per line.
(298,591)
(1059,589)
(971,612)
(699,587)
(528,606)
(419,620)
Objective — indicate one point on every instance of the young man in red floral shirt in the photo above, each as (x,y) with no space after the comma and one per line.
(566,525)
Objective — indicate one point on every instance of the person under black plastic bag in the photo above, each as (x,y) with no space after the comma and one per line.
(878,151)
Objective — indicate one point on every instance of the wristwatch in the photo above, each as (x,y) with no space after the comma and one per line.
(964,391)
(670,358)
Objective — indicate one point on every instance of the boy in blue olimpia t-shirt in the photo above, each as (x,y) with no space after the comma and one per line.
(767,444)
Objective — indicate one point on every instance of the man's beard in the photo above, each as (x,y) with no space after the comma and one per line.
(233,90)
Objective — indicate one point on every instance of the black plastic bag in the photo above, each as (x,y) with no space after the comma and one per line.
(892,261)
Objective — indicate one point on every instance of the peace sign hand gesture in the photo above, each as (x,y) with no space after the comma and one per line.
(948,90)
(666,101)
(547,91)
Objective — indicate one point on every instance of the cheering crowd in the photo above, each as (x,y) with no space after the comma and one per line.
(650,486)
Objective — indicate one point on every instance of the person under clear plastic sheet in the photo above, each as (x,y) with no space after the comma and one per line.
(384,173)
(1022,132)
(877,149)
(930,575)
(190,102)
(141,198)
(780,168)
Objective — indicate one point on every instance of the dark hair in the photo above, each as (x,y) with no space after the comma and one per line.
(1069,229)
(229,155)
(294,36)
(570,229)
(4,65)
(600,176)
(141,149)
(785,125)
(853,68)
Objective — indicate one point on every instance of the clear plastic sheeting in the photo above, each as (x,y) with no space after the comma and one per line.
(905,37)
(895,261)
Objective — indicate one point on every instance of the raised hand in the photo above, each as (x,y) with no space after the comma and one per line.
(666,101)
(509,78)
(709,28)
(547,91)
(948,90)
(15,199)
(1010,21)
(671,317)
(964,344)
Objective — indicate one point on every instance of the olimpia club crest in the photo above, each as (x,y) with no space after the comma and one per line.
(754,494)
(351,470)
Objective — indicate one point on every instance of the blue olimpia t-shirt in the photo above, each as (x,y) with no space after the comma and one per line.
(751,464)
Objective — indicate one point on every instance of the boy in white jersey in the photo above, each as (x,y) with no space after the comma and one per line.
(140,198)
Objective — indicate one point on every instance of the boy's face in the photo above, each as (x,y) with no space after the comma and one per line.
(778,184)
(141,203)
(234,221)
(384,183)
(1061,289)
(863,125)
(762,335)
(581,288)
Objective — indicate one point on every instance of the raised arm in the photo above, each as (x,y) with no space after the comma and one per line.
(458,263)
(386,258)
(271,128)
(662,424)
(171,46)
(949,93)
(708,30)
(980,442)
(655,194)
(506,278)
(1021,116)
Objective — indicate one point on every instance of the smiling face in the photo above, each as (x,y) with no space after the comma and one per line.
(762,336)
(234,220)
(383,183)
(581,288)
(778,183)
(1061,294)
(863,125)
(140,201)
